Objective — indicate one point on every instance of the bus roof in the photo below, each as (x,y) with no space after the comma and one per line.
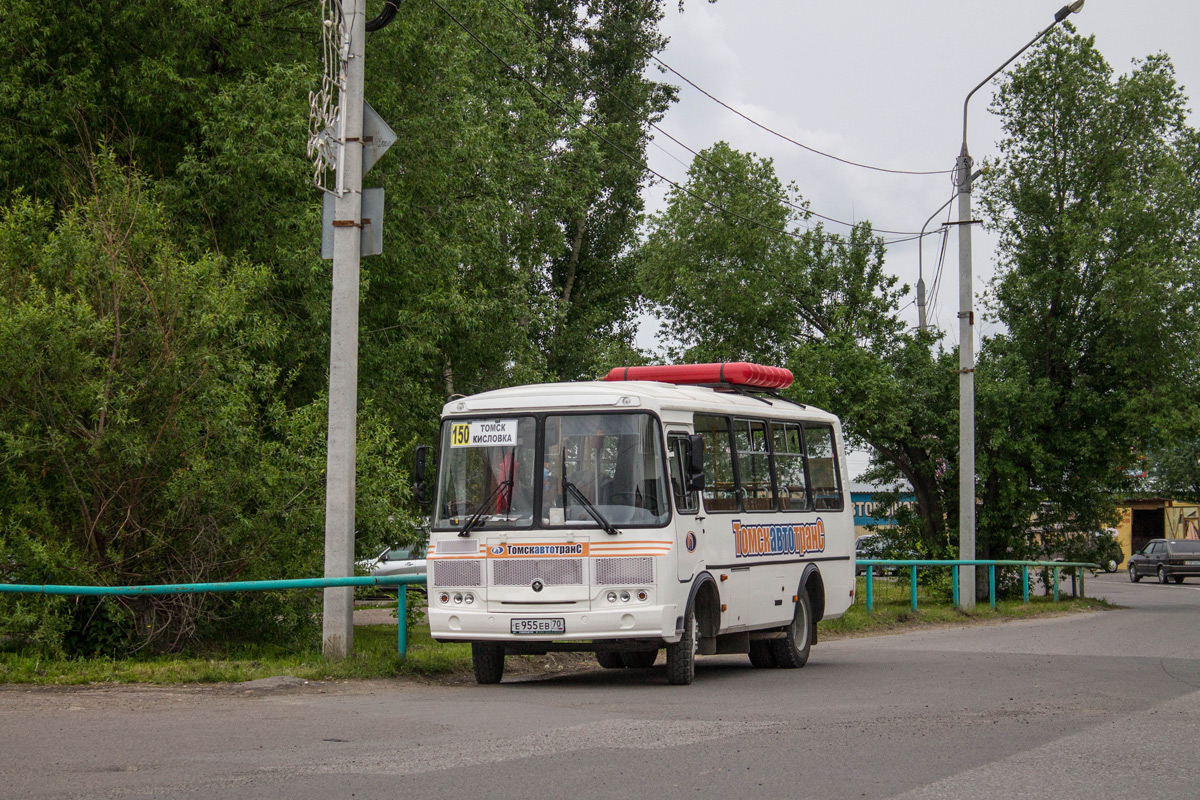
(629,395)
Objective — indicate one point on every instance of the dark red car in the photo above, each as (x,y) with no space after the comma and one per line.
(1167,559)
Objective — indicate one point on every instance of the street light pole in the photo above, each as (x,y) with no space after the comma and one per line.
(966,337)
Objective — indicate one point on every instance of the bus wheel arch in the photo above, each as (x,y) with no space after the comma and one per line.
(705,602)
(792,651)
(815,584)
(701,618)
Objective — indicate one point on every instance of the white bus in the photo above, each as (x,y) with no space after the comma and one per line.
(682,507)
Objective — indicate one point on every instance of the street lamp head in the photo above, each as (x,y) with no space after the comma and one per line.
(1068,10)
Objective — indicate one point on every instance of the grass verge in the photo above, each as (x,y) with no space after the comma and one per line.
(896,615)
(375,652)
(375,656)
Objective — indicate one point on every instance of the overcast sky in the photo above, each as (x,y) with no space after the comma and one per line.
(880,82)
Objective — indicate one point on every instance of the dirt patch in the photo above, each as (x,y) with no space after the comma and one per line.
(521,667)
(375,614)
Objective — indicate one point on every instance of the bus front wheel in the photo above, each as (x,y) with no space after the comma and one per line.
(681,656)
(488,660)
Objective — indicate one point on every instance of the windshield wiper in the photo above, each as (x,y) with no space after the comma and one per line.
(478,515)
(592,511)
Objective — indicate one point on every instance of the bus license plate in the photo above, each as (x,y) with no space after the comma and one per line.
(555,625)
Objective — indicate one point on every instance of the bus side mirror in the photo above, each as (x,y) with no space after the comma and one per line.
(695,462)
(419,474)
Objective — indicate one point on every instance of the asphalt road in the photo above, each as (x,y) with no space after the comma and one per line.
(1097,705)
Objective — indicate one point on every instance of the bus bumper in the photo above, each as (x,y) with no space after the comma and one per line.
(651,622)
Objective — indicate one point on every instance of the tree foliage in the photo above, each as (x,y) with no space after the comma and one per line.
(1095,199)
(141,440)
(734,276)
(156,151)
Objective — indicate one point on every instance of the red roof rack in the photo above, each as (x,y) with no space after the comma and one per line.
(735,373)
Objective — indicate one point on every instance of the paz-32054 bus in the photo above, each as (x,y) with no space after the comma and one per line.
(684,507)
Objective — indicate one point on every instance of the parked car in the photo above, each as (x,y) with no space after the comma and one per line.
(880,546)
(1167,559)
(1107,550)
(398,559)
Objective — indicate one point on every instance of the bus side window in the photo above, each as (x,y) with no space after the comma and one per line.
(823,468)
(754,464)
(720,486)
(789,466)
(685,501)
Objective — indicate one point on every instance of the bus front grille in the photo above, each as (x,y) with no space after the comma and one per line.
(524,571)
(458,572)
(624,571)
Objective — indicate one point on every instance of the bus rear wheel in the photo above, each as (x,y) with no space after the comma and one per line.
(488,660)
(609,659)
(639,659)
(791,652)
(762,655)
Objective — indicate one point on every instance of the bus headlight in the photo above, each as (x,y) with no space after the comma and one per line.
(458,598)
(624,597)
(612,597)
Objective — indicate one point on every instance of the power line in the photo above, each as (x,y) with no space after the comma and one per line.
(937,278)
(779,198)
(801,145)
(633,159)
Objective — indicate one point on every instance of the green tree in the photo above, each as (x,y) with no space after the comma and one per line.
(1094,197)
(596,59)
(137,75)
(140,440)
(720,262)
(734,278)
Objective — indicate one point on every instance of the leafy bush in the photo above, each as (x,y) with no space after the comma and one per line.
(142,442)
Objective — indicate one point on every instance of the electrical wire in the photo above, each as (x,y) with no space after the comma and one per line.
(801,145)
(385,17)
(607,90)
(937,278)
(633,159)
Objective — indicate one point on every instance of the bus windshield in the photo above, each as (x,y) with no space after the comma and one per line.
(610,465)
(615,461)
(486,472)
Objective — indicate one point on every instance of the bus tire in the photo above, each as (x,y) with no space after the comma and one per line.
(761,654)
(639,659)
(609,659)
(681,656)
(488,660)
(792,651)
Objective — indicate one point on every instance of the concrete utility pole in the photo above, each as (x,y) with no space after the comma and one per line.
(337,635)
(966,338)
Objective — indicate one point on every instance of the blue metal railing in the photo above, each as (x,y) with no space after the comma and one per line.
(913,564)
(401,582)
